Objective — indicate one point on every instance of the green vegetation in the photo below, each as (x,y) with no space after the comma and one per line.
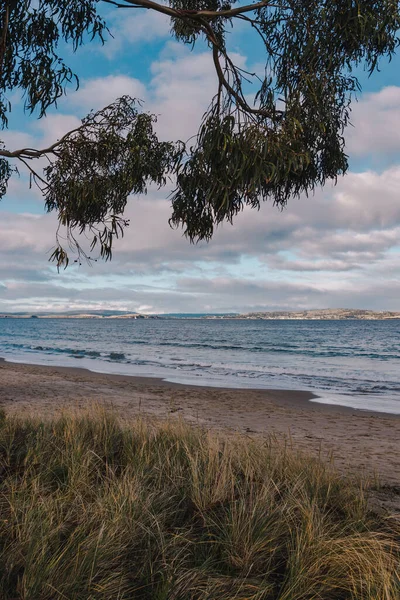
(96,509)
(269,135)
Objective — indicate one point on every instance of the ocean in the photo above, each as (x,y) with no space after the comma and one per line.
(349,363)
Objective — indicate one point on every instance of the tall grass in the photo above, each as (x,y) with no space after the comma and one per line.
(94,509)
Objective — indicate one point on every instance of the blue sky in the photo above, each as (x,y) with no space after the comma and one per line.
(338,248)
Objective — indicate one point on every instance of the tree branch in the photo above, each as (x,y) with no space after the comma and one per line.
(222,79)
(166,10)
(193,14)
(31,153)
(3,40)
(34,174)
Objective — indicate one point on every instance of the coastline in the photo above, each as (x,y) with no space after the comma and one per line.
(356,440)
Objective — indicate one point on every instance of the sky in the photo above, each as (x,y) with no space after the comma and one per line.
(339,248)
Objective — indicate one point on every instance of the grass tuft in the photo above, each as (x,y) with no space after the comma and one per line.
(95,509)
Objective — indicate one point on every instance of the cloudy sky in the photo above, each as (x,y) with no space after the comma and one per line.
(338,248)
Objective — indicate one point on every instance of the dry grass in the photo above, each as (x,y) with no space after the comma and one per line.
(94,509)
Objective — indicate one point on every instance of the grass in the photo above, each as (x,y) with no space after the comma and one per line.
(91,508)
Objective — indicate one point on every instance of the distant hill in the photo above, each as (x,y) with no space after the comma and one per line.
(95,314)
(315,314)
(324,314)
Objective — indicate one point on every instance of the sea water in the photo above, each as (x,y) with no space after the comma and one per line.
(345,362)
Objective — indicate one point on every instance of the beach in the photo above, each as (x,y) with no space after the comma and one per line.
(356,441)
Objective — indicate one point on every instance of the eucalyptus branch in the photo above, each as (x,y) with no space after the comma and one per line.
(205,14)
(33,153)
(216,50)
(3,37)
(9,6)
(35,175)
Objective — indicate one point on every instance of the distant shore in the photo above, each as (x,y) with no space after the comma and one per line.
(355,440)
(326,314)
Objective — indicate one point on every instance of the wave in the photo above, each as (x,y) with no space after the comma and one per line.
(291,349)
(73,352)
(281,349)
(117,356)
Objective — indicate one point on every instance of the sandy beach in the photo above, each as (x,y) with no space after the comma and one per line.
(356,441)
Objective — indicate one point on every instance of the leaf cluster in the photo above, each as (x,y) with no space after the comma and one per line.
(113,154)
(292,138)
(30,35)
(188,29)
(5,174)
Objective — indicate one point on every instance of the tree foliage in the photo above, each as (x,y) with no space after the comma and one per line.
(285,142)
(114,153)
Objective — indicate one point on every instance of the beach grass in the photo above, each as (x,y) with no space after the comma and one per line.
(94,508)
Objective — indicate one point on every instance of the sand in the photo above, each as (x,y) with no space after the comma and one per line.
(356,441)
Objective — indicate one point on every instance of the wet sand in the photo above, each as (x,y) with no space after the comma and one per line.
(356,441)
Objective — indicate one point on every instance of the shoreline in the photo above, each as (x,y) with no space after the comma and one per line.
(356,440)
(289,395)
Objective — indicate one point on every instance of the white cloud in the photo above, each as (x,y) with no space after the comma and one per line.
(99,92)
(17,139)
(182,87)
(26,233)
(143,26)
(133,27)
(53,127)
(376,120)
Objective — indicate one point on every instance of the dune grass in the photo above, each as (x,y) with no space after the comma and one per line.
(91,508)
